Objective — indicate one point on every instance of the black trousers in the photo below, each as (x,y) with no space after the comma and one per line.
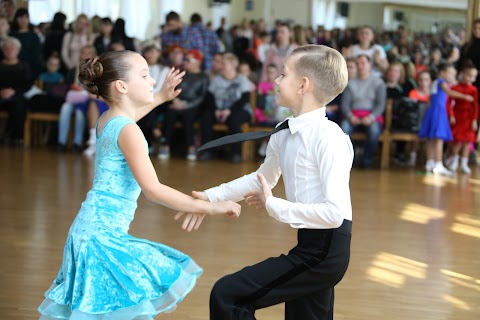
(187,117)
(304,279)
(234,123)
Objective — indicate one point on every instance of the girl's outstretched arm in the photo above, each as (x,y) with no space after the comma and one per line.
(132,144)
(455,94)
(166,93)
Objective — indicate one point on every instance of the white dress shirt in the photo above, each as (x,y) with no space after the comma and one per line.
(315,157)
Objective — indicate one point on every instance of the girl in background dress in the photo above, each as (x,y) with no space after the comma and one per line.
(435,127)
(107,273)
(463,117)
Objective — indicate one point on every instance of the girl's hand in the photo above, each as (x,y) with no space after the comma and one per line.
(469,98)
(173,79)
(452,120)
(192,221)
(259,199)
(474,125)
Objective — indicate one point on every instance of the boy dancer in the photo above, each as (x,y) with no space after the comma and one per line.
(315,157)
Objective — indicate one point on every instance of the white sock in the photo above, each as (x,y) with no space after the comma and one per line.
(439,164)
(413,157)
(92,138)
(464,162)
(430,164)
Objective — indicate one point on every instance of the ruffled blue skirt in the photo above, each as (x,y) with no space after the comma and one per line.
(112,276)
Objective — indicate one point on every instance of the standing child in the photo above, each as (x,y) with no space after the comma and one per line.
(435,127)
(106,273)
(315,158)
(463,118)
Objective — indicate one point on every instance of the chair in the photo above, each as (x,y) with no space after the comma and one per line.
(38,127)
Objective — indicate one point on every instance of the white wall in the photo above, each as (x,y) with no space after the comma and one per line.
(365,13)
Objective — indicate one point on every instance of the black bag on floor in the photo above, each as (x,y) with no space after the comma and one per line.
(407,115)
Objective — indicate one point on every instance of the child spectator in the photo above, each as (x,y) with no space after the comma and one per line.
(463,116)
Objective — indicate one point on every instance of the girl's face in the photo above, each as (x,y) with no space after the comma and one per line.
(394,73)
(450,74)
(140,83)
(424,80)
(469,76)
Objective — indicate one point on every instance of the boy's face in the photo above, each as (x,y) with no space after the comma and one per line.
(287,84)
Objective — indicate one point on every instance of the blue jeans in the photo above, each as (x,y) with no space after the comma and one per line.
(373,132)
(66,113)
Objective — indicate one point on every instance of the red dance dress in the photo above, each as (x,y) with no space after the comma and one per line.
(464,112)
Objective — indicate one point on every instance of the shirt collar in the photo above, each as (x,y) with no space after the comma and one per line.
(303,120)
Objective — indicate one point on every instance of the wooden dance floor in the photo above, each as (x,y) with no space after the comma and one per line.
(415,247)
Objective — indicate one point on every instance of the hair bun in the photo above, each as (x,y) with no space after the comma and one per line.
(90,71)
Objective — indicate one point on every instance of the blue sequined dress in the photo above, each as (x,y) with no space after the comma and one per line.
(106,273)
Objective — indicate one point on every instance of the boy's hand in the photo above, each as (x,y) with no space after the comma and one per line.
(192,221)
(259,199)
(469,98)
(202,195)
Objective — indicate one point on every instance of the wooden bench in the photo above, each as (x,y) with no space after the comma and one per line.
(3,117)
(388,136)
(38,127)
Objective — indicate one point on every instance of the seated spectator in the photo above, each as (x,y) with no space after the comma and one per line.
(375,52)
(394,78)
(94,109)
(363,105)
(333,109)
(422,93)
(77,101)
(119,35)
(4,31)
(228,101)
(15,80)
(245,69)
(52,82)
(267,112)
(31,51)
(158,71)
(103,40)
(194,90)
(73,41)
(175,57)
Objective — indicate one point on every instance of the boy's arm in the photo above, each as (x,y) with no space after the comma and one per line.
(334,164)
(235,190)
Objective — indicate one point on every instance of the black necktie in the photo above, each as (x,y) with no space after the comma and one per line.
(240,137)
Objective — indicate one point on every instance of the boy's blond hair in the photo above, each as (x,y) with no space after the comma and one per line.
(324,67)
